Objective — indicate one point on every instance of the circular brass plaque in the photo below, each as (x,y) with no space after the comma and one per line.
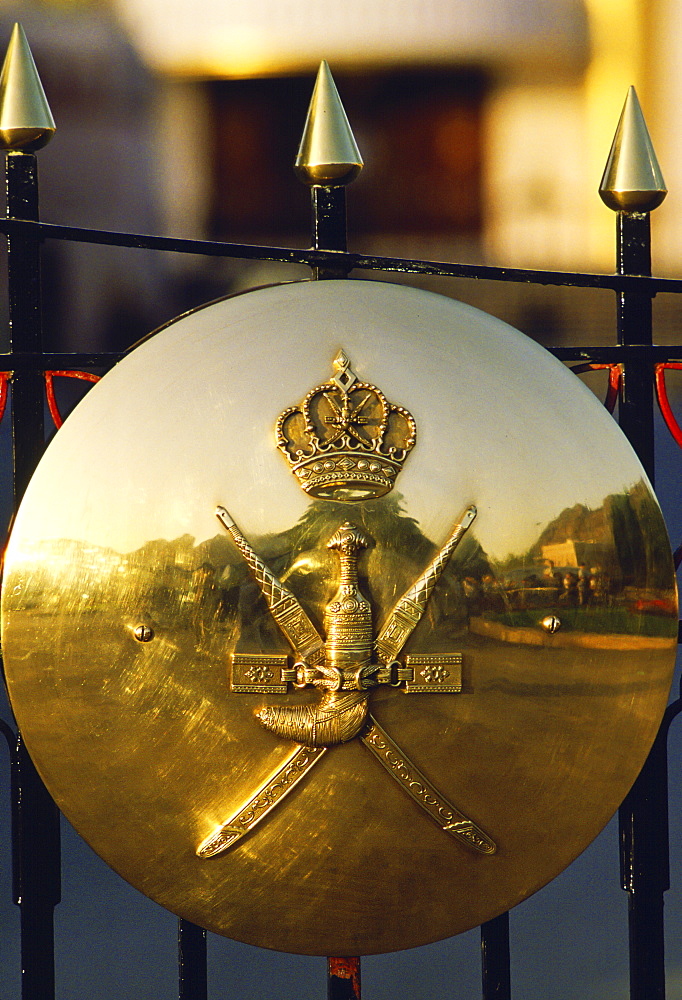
(403,678)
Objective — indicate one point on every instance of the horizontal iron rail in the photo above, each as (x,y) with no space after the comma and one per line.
(57,361)
(341,259)
(614,354)
(620,353)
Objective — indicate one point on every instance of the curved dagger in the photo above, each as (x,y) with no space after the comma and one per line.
(306,641)
(409,610)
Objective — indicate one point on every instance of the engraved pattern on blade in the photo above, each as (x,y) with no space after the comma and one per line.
(409,610)
(284,606)
(281,782)
(409,777)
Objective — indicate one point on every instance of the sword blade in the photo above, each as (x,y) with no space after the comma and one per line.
(270,794)
(420,789)
(408,612)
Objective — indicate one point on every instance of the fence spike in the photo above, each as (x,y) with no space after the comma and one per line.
(632,180)
(26,122)
(328,154)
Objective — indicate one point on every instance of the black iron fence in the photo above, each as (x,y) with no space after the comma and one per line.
(637,371)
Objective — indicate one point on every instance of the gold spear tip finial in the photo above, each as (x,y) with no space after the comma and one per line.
(328,155)
(632,180)
(26,122)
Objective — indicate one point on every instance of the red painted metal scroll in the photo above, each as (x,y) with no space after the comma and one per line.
(49,390)
(664,402)
(6,377)
(615,380)
(4,382)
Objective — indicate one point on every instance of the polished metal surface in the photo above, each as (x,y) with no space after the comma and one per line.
(328,154)
(171,671)
(26,122)
(632,180)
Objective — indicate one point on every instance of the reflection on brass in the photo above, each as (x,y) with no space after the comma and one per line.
(286,610)
(328,154)
(410,778)
(345,677)
(26,122)
(632,180)
(148,749)
(143,633)
(551,623)
(345,441)
(408,611)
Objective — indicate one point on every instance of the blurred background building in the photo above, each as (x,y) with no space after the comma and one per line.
(484,126)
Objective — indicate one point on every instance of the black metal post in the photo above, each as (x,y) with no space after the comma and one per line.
(37,878)
(645,869)
(636,404)
(35,817)
(644,813)
(329,226)
(495,958)
(633,256)
(23,264)
(192,961)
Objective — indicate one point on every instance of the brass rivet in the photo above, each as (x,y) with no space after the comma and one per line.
(143,633)
(551,623)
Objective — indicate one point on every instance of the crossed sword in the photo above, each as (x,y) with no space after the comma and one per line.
(310,650)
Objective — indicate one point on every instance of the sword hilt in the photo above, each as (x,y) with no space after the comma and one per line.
(409,610)
(284,606)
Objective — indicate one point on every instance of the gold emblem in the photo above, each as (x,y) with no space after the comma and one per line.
(345,441)
(345,668)
(139,649)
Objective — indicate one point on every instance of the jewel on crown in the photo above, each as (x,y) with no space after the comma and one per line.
(345,441)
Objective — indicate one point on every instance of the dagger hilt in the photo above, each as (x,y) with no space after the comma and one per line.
(348,616)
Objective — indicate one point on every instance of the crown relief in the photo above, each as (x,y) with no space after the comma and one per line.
(345,441)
